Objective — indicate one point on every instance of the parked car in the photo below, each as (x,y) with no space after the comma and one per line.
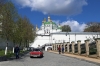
(36,52)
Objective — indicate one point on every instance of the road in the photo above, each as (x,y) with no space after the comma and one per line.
(49,59)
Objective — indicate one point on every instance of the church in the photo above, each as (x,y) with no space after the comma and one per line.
(51,33)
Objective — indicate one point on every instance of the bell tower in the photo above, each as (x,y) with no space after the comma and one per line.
(44,20)
(49,19)
(37,28)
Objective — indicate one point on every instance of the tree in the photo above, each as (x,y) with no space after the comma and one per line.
(92,27)
(66,28)
(28,32)
(14,27)
(24,31)
(9,17)
(9,13)
(2,3)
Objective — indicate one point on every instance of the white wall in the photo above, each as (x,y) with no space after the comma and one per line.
(61,37)
(58,38)
(51,31)
(41,40)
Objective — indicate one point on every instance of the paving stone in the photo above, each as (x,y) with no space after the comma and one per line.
(49,59)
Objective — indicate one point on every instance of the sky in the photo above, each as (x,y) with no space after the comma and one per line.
(75,13)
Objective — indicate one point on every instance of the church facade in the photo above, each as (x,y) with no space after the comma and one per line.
(48,27)
(51,33)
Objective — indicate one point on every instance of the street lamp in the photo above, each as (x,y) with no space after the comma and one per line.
(53,40)
(63,41)
(75,38)
(69,35)
(49,39)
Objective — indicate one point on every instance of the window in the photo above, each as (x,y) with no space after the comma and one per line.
(36,49)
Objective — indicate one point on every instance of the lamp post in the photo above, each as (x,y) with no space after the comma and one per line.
(69,35)
(49,39)
(75,37)
(53,40)
(63,42)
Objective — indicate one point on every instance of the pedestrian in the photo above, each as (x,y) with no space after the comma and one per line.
(59,49)
(16,51)
(62,49)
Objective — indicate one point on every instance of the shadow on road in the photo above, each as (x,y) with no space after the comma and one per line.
(38,57)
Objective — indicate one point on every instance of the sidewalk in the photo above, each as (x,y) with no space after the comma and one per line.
(79,57)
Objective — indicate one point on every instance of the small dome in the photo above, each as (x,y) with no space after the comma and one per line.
(49,17)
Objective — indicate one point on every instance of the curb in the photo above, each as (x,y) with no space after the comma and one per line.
(3,58)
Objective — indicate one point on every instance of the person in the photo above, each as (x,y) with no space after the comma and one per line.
(62,49)
(59,49)
(16,51)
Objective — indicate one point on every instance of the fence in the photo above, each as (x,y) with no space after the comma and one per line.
(87,48)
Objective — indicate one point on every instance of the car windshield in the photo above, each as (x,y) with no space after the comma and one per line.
(36,50)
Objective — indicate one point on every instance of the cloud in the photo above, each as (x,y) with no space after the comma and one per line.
(75,25)
(58,7)
(56,21)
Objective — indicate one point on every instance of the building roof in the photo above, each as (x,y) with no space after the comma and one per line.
(49,23)
(79,33)
(53,23)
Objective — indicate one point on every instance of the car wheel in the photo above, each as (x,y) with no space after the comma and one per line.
(30,56)
(41,56)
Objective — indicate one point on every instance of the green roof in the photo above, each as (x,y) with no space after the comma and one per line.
(46,23)
(49,23)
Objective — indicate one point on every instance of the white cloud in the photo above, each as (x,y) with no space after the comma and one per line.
(56,21)
(75,25)
(59,7)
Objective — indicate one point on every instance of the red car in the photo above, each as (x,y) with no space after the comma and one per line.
(36,52)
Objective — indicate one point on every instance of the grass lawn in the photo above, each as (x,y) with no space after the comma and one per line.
(9,53)
(2,52)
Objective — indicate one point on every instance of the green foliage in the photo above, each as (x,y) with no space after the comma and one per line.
(9,15)
(14,27)
(24,30)
(66,28)
(9,53)
(2,53)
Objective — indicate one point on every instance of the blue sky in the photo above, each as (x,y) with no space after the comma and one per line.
(76,13)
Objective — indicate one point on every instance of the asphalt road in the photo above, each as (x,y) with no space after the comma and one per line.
(49,59)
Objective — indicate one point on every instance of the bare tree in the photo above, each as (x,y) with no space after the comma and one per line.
(92,27)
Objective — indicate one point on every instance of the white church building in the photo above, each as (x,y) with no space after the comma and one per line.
(51,33)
